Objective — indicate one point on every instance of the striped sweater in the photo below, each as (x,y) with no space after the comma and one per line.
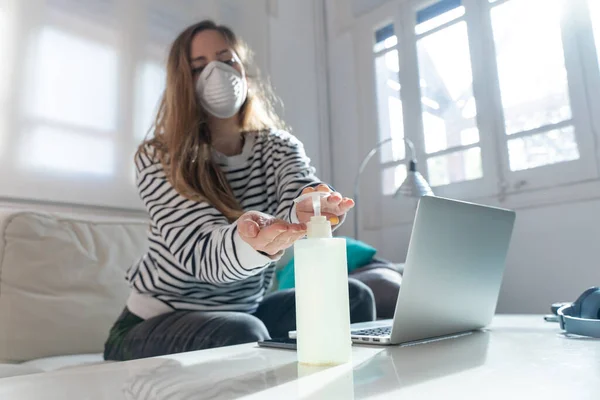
(196,259)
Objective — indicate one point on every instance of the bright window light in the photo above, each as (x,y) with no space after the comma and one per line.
(447,95)
(557,145)
(74,81)
(430,103)
(394,85)
(68,152)
(389,105)
(150,87)
(445,54)
(455,167)
(531,64)
(392,178)
(391,61)
(436,138)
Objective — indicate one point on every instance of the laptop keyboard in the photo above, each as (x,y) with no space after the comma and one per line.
(383,331)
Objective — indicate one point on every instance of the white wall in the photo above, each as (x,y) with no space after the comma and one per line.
(554,256)
(555,250)
(298,75)
(343,108)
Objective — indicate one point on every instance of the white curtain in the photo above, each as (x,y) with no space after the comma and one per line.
(80,81)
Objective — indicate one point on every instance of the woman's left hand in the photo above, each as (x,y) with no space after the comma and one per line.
(333,206)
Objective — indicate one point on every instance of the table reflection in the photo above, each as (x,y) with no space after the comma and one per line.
(260,373)
(398,367)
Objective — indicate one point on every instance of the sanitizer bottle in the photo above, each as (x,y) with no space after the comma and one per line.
(322,303)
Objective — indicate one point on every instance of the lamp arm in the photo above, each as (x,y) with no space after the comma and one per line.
(413,153)
(361,169)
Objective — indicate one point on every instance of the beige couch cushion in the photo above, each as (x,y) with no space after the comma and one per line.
(62,281)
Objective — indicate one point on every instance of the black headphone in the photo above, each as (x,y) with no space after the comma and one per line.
(581,317)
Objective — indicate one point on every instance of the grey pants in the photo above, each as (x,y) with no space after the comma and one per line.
(132,337)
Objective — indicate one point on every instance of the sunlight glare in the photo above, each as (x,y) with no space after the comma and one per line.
(66,152)
(74,81)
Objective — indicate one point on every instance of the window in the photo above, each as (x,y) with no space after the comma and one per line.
(449,107)
(80,84)
(74,80)
(533,83)
(501,88)
(390,107)
(72,104)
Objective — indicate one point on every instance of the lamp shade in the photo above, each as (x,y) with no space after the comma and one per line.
(414,185)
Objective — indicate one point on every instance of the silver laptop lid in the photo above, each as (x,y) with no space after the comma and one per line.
(453,269)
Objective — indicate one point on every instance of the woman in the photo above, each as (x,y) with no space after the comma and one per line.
(218,180)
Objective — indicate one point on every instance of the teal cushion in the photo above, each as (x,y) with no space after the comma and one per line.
(359,254)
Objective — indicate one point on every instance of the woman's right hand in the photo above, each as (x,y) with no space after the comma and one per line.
(268,234)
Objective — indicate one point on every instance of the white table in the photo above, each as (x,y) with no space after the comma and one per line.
(518,357)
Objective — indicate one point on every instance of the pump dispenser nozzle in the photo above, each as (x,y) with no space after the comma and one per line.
(316,200)
(318,227)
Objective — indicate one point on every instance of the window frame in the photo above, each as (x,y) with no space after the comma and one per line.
(499,186)
(477,187)
(547,176)
(371,179)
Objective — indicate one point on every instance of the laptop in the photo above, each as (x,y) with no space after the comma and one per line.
(452,274)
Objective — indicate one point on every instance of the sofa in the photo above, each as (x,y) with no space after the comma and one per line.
(62,285)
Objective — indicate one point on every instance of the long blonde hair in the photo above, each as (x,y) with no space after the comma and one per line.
(182,138)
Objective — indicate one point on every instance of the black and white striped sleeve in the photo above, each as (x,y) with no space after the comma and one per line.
(200,238)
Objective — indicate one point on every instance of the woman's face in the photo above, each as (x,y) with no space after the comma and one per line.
(210,45)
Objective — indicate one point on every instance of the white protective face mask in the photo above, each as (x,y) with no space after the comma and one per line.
(221,89)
